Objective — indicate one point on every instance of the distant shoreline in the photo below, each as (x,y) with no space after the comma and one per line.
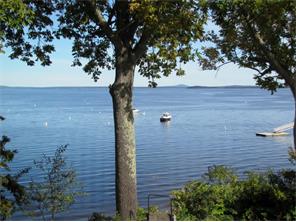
(175,86)
(231,86)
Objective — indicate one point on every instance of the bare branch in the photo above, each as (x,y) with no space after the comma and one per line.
(253,68)
(219,66)
(223,64)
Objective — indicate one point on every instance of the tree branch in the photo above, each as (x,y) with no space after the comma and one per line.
(142,45)
(219,66)
(99,19)
(111,13)
(262,73)
(133,27)
(271,58)
(223,64)
(273,61)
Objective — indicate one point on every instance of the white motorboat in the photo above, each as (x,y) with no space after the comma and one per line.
(135,110)
(165,117)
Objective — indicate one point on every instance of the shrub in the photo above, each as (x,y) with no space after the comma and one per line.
(220,195)
(57,191)
(99,217)
(141,215)
(12,193)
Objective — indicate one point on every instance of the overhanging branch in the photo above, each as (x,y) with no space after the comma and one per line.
(270,56)
(273,61)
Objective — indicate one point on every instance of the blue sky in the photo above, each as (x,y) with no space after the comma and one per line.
(60,73)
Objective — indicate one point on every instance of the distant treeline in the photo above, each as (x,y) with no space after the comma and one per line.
(232,86)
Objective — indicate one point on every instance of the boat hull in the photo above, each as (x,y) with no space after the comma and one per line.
(165,119)
(265,134)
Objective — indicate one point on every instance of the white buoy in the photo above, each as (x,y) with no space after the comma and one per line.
(45,124)
(69,117)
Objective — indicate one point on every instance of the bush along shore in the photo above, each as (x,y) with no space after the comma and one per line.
(222,195)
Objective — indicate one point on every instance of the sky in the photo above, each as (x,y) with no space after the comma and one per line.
(60,73)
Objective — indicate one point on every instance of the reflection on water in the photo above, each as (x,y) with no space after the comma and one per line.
(285,140)
(166,123)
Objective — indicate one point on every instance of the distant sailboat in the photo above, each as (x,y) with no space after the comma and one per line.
(279,131)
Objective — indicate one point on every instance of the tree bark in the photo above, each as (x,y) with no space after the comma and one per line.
(293,89)
(294,129)
(125,149)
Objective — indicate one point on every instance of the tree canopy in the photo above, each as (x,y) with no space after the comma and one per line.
(160,34)
(260,35)
(13,14)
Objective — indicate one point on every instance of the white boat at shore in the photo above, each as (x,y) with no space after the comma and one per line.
(135,110)
(165,117)
(279,131)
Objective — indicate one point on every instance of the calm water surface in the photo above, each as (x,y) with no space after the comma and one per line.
(209,126)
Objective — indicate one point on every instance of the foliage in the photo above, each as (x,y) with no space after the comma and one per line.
(222,196)
(100,217)
(57,191)
(141,215)
(160,34)
(260,35)
(14,14)
(12,193)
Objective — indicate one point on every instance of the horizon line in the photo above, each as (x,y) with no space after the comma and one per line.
(178,85)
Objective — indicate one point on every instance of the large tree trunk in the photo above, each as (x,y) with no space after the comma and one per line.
(293,89)
(125,152)
(294,130)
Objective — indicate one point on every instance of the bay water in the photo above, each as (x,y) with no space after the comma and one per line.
(209,126)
